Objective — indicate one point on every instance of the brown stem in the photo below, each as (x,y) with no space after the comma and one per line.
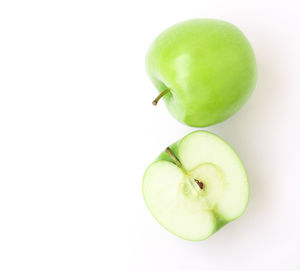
(178,163)
(159,96)
(173,157)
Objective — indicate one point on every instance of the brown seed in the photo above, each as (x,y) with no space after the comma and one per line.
(201,184)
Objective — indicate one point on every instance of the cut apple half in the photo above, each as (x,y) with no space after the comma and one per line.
(196,186)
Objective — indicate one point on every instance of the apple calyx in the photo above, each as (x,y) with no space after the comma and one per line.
(178,163)
(154,102)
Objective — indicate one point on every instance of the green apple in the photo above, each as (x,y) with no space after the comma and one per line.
(196,186)
(204,68)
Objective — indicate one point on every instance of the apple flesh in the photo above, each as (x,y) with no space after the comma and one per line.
(204,69)
(196,186)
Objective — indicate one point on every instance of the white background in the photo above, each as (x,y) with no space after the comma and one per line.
(77,131)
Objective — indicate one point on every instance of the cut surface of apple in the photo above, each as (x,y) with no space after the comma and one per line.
(196,186)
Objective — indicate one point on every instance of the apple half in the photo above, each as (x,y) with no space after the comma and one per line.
(196,186)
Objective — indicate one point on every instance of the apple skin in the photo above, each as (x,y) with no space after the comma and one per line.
(209,67)
(220,222)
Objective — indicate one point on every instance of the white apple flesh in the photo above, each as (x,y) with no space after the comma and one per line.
(196,186)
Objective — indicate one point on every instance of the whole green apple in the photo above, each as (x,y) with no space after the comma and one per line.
(204,68)
(196,186)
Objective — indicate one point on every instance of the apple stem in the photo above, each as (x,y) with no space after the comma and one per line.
(178,163)
(173,157)
(159,96)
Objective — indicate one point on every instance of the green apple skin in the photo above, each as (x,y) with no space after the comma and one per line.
(220,222)
(209,67)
